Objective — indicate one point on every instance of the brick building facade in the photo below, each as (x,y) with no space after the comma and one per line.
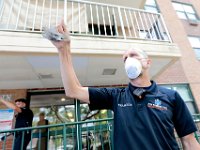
(187,69)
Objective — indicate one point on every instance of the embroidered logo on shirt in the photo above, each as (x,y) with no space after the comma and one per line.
(125,105)
(157,105)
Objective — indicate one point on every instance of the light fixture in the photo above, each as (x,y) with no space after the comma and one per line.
(45,76)
(70,114)
(109,71)
(63,99)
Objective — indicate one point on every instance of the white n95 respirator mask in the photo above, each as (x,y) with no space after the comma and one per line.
(133,68)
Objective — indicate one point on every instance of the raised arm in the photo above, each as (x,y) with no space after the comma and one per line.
(10,105)
(72,85)
(190,143)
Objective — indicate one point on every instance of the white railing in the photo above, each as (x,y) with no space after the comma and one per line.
(82,18)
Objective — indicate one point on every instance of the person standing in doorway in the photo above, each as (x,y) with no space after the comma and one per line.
(24,118)
(43,140)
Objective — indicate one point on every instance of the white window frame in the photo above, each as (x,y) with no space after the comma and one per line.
(185,11)
(195,43)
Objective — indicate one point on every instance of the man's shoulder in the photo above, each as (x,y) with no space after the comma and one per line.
(27,111)
(169,92)
(109,89)
(166,90)
(119,90)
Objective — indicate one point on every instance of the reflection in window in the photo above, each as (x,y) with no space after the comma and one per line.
(86,114)
(184,91)
(95,135)
(185,11)
(195,43)
(55,114)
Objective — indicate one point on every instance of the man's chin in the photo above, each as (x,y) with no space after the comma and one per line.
(136,77)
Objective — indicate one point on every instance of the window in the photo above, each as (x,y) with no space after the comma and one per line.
(102,30)
(185,11)
(54,114)
(151,6)
(195,43)
(184,91)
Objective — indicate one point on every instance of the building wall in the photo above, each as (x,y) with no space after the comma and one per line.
(7,145)
(187,70)
(14,93)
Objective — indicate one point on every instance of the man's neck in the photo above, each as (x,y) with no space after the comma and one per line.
(141,82)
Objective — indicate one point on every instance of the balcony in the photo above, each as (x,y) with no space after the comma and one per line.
(100,34)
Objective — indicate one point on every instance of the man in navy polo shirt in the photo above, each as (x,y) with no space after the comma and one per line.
(145,115)
(24,118)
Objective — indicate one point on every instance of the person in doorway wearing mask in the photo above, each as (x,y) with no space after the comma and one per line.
(145,114)
(24,118)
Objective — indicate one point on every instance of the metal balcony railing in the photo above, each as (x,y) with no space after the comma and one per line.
(83,135)
(82,18)
(86,135)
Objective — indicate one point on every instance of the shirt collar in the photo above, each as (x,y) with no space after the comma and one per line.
(152,89)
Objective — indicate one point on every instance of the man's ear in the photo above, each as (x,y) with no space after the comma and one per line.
(149,62)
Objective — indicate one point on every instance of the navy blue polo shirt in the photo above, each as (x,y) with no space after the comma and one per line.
(24,119)
(147,123)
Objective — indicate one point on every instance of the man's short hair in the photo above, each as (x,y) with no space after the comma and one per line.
(21,100)
(140,51)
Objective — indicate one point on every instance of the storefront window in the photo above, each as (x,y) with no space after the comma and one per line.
(86,114)
(55,114)
(57,108)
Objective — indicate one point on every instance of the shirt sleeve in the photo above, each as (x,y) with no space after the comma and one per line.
(101,98)
(183,121)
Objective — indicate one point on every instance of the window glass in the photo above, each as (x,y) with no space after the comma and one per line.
(177,7)
(185,11)
(54,114)
(86,114)
(195,43)
(191,16)
(191,107)
(150,2)
(1,4)
(185,93)
(197,52)
(188,9)
(151,6)
(151,9)
(57,107)
(181,15)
